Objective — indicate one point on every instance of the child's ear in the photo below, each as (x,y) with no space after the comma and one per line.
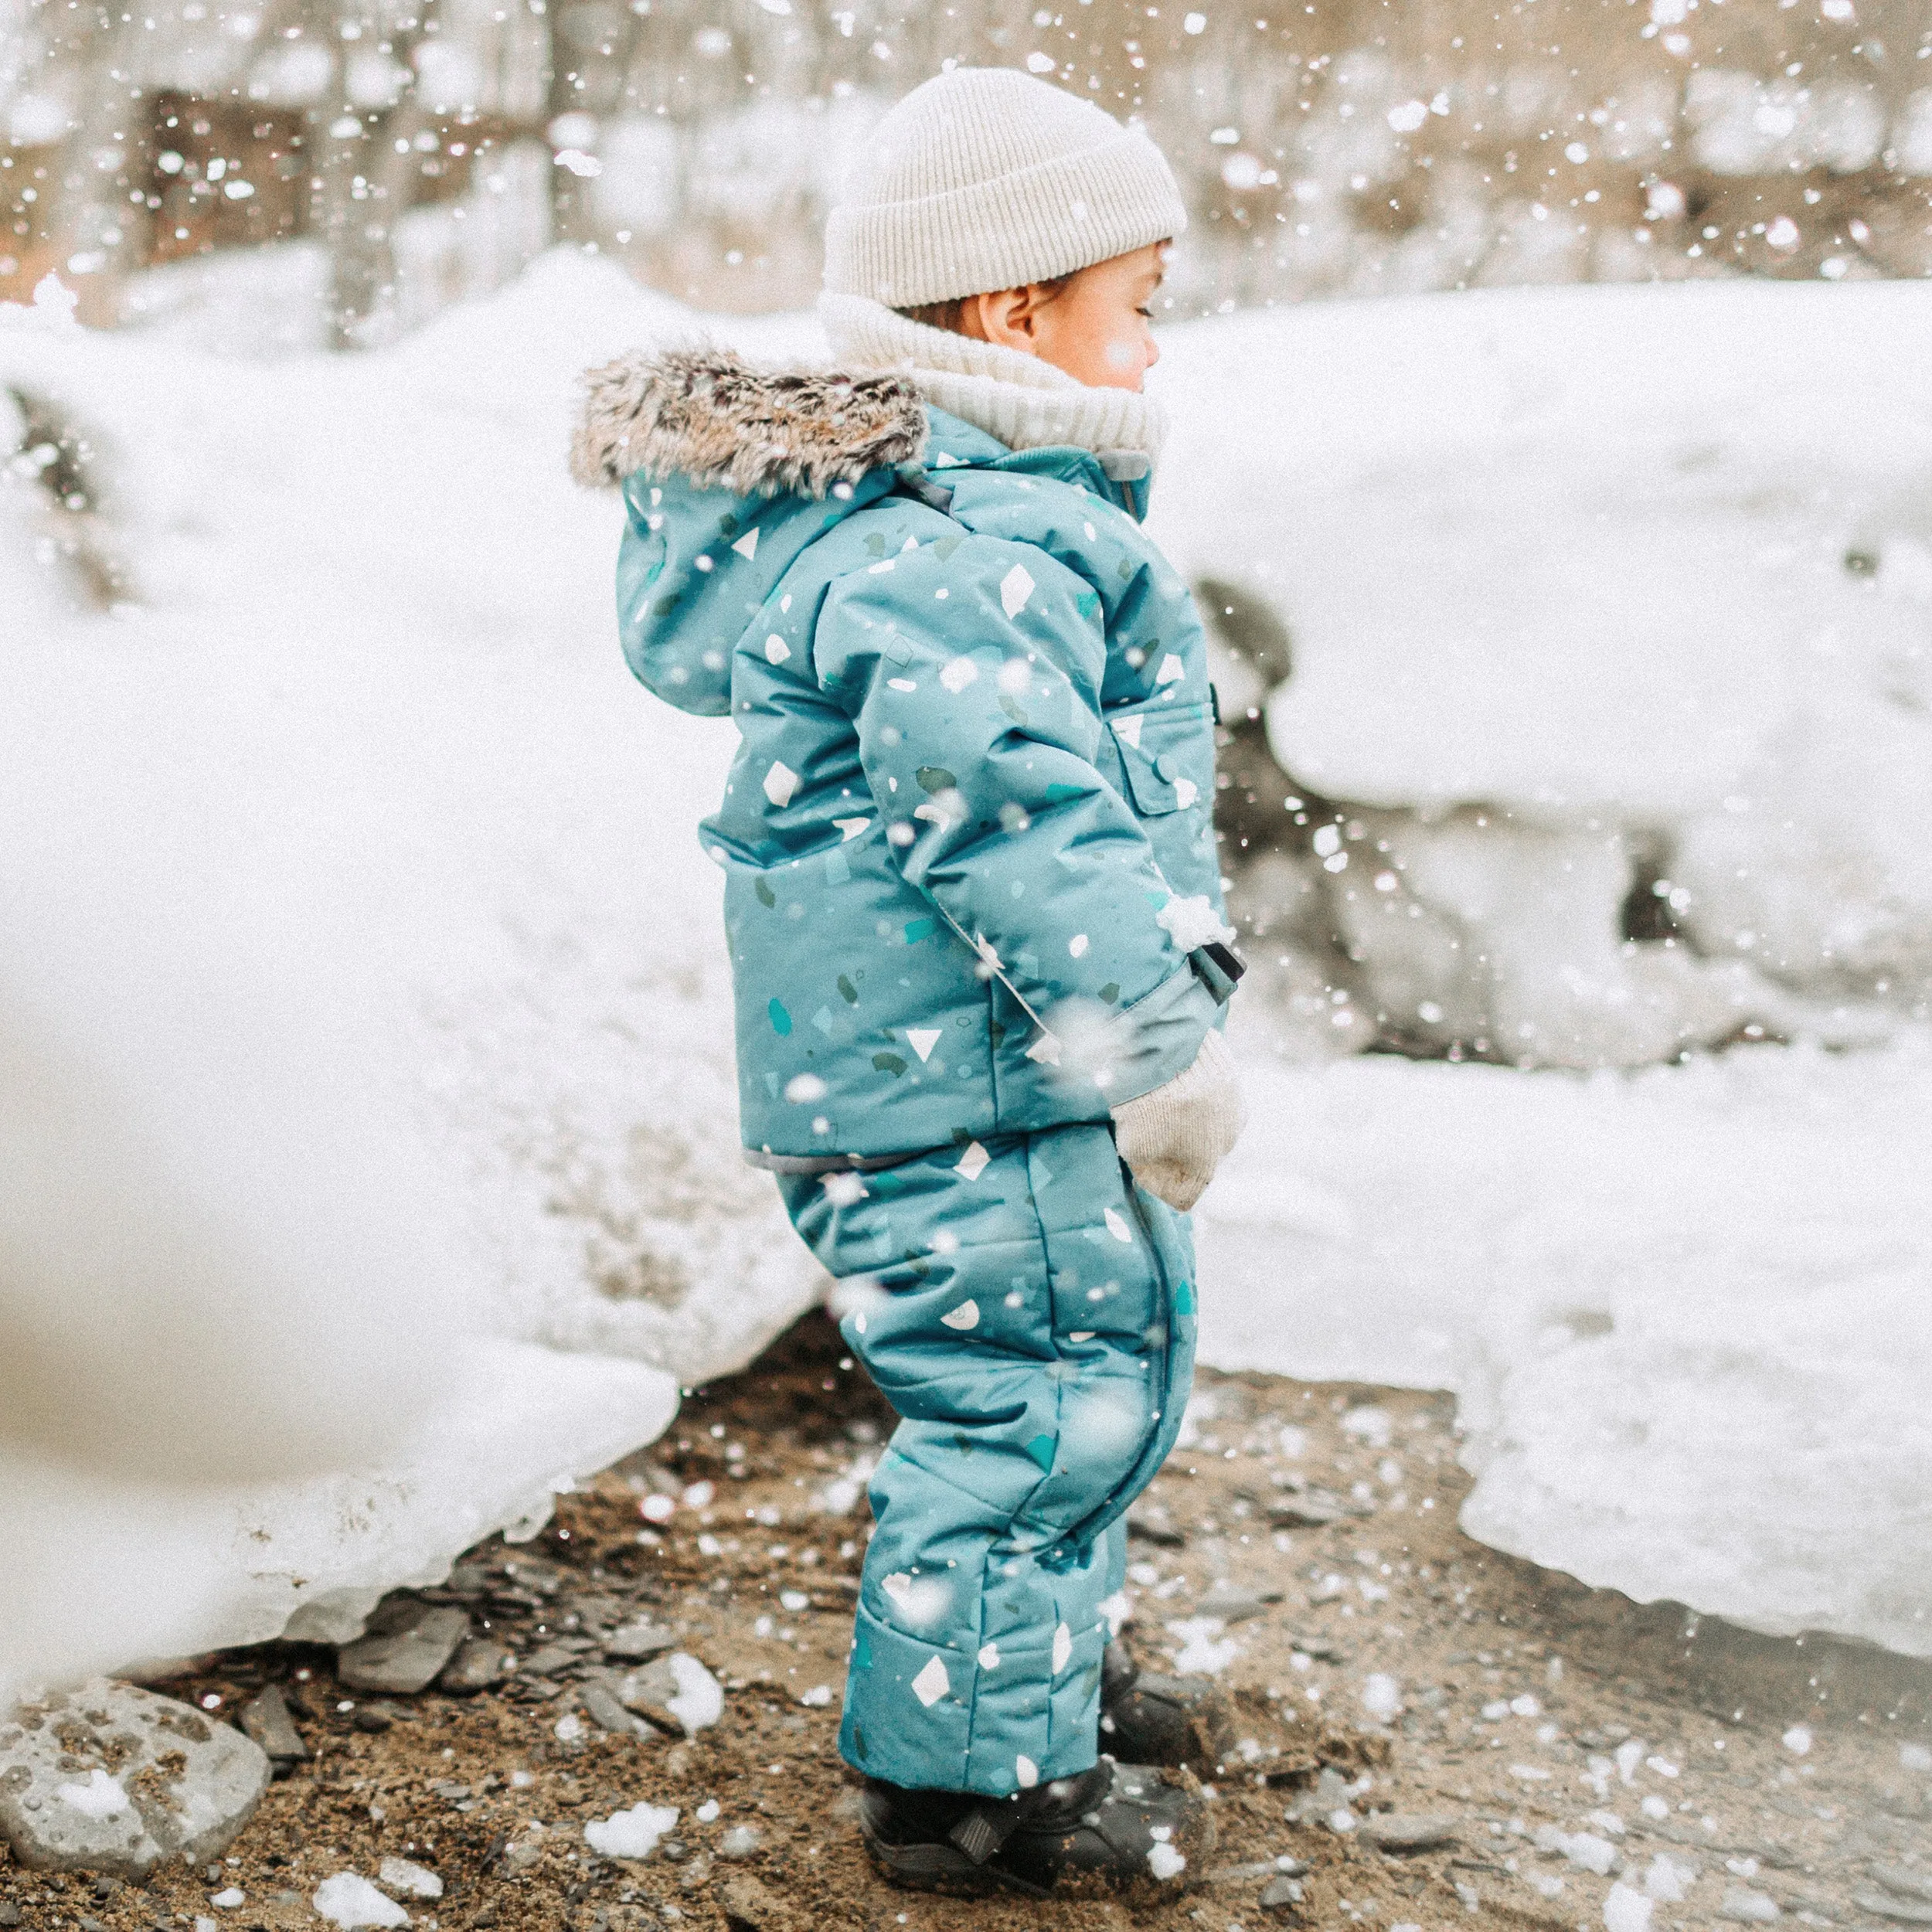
(1008,318)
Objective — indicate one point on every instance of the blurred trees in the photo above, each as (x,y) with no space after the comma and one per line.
(426,147)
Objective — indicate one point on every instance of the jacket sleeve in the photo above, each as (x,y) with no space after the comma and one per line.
(972,667)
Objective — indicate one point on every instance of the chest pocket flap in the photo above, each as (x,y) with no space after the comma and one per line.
(1168,752)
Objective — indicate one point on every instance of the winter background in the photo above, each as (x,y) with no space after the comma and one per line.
(368,1161)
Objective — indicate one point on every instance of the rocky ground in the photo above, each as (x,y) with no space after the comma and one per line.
(1428,1735)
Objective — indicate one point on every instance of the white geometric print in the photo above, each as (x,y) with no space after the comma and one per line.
(932,1683)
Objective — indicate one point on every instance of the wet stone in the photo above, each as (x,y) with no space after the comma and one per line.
(1305,1512)
(110,1779)
(1280,1894)
(634,1643)
(1321,1647)
(599,1699)
(1251,1873)
(1148,1523)
(265,1717)
(1886,1905)
(480,1663)
(404,1653)
(1408,1831)
(1234,1603)
(548,1660)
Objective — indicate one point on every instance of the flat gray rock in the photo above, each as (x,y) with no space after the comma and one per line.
(1906,1884)
(480,1663)
(1330,1792)
(548,1659)
(1280,1895)
(600,1698)
(633,1643)
(407,1653)
(676,1692)
(1408,1831)
(1251,1873)
(110,1779)
(265,1718)
(1234,1603)
(1305,1512)
(1901,1911)
(1148,1523)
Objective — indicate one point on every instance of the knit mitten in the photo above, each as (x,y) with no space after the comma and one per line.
(1173,1138)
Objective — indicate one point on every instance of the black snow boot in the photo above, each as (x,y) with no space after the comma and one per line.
(1115,1825)
(1146,1719)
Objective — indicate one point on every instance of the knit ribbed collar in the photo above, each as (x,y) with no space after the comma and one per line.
(1026,403)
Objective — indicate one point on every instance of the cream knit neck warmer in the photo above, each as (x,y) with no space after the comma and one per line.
(1026,403)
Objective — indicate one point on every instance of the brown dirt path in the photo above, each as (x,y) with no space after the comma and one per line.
(1571,1739)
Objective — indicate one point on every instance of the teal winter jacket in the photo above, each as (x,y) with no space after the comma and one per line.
(971,881)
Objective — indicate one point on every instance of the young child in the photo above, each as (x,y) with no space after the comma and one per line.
(973,909)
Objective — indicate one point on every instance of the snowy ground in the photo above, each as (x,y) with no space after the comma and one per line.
(362,673)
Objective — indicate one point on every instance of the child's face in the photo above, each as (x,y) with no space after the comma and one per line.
(1094,327)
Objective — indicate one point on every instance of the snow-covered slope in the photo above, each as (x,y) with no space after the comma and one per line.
(359,729)
(1655,560)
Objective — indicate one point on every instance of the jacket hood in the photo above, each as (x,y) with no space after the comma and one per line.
(728,472)
(706,415)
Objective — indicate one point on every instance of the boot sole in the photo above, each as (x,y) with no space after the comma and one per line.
(945,1869)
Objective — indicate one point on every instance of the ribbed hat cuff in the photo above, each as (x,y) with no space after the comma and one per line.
(1031,225)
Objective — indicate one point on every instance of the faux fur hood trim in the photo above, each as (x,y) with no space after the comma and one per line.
(705,414)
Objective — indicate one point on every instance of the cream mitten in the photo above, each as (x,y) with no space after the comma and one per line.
(1173,1138)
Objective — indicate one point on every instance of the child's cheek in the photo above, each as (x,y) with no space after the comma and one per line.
(1122,355)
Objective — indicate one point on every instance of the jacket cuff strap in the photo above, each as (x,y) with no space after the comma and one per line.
(1218,968)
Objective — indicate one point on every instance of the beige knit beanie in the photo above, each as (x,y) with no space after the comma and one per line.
(985,178)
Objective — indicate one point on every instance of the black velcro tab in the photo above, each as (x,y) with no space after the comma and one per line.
(1219,968)
(984,1830)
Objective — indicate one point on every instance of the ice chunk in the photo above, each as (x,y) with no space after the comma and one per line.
(1203,1650)
(1164,1861)
(630,1834)
(1666,1881)
(414,1881)
(349,1900)
(1381,1697)
(1626,1910)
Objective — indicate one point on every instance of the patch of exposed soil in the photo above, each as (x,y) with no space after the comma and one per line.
(1569,1739)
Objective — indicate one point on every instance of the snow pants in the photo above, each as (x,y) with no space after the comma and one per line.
(1029,1312)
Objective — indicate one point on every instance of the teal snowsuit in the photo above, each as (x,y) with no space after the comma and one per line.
(970,875)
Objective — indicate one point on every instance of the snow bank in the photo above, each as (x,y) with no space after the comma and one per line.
(1656,561)
(1575,580)
(1684,1311)
(357,715)
(352,880)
